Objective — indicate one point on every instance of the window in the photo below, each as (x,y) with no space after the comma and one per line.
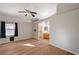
(10,29)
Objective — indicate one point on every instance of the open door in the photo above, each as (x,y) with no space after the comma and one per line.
(40,31)
(43,30)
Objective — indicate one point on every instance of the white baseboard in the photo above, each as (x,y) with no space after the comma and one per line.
(65,49)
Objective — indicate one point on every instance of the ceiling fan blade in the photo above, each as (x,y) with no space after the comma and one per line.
(26,15)
(21,11)
(33,15)
(27,10)
(33,12)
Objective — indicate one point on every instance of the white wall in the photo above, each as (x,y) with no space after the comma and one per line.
(64,30)
(35,26)
(65,7)
(24,28)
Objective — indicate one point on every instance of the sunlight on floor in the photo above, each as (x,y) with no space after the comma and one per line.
(29,44)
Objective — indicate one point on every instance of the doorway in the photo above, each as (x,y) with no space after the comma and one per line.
(43,31)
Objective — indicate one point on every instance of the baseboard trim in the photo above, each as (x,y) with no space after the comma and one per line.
(15,41)
(65,49)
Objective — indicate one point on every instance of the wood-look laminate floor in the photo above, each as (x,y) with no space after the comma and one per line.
(30,47)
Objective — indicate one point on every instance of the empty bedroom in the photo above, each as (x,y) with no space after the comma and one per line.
(39,28)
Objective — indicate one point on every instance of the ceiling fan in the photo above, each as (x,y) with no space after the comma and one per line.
(26,11)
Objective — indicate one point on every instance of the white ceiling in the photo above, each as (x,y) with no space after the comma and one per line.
(44,10)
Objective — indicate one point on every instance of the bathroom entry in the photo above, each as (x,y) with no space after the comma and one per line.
(43,30)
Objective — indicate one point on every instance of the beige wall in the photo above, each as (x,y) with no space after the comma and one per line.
(64,30)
